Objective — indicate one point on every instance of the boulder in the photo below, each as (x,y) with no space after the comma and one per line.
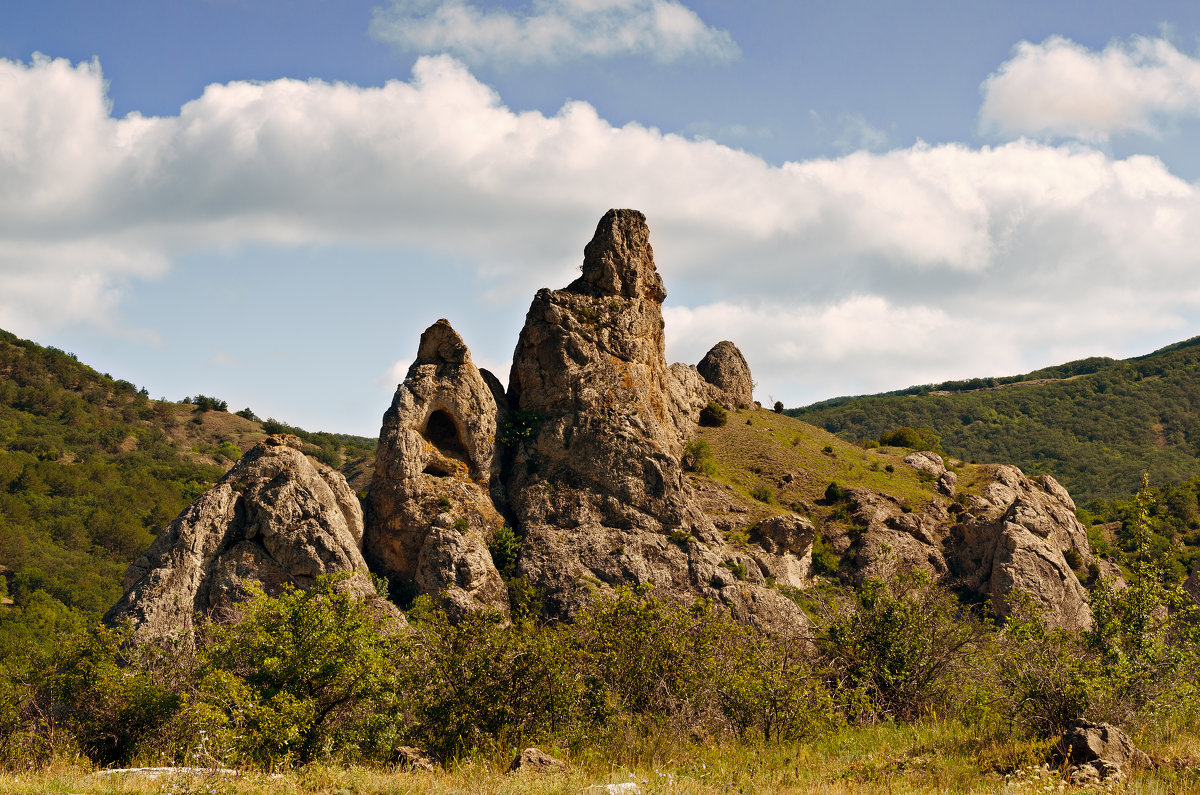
(409,758)
(277,517)
(1107,749)
(1015,538)
(534,760)
(725,368)
(436,479)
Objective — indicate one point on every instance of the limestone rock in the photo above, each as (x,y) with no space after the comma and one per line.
(409,758)
(1016,538)
(1103,746)
(534,760)
(725,368)
(596,487)
(432,496)
(927,462)
(277,517)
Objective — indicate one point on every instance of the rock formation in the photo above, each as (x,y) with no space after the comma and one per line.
(582,459)
(597,488)
(277,517)
(431,500)
(1016,535)
(725,368)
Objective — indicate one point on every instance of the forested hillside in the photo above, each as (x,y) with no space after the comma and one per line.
(91,469)
(1096,425)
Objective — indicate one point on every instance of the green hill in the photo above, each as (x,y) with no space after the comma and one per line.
(1096,425)
(91,469)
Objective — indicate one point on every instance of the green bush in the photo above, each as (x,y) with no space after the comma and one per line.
(713,415)
(505,547)
(108,705)
(904,436)
(763,494)
(698,457)
(900,649)
(302,675)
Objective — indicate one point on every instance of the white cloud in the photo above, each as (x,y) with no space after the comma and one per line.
(551,31)
(930,261)
(1061,89)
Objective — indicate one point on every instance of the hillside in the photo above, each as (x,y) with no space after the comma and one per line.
(1096,425)
(91,469)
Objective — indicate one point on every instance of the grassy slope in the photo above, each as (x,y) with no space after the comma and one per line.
(758,448)
(1095,425)
(91,469)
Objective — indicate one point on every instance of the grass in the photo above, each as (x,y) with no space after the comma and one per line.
(753,459)
(927,757)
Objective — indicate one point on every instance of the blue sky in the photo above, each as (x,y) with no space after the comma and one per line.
(268,201)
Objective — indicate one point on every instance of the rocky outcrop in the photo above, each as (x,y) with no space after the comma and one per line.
(596,487)
(1100,750)
(582,457)
(432,505)
(1016,536)
(726,370)
(277,517)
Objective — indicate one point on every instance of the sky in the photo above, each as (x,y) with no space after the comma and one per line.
(267,201)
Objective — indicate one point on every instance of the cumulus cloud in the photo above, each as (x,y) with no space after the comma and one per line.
(1061,89)
(872,269)
(551,31)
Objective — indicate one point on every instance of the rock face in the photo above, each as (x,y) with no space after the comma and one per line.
(1106,748)
(1016,536)
(276,517)
(725,368)
(431,499)
(596,487)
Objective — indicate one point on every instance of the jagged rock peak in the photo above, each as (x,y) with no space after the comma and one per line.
(725,368)
(619,260)
(440,344)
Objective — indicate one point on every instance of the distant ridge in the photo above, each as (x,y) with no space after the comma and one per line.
(1096,424)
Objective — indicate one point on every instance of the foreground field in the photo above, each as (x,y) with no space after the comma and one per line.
(925,757)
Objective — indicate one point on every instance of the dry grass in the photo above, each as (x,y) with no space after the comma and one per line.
(930,757)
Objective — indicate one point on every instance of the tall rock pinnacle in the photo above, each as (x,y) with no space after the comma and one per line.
(619,260)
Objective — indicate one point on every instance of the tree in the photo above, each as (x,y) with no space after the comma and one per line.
(306,672)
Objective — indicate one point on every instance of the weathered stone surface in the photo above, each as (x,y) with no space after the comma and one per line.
(597,488)
(277,517)
(725,368)
(534,760)
(1105,747)
(409,758)
(432,497)
(1015,538)
(927,462)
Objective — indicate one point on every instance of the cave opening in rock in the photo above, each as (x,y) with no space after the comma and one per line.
(442,432)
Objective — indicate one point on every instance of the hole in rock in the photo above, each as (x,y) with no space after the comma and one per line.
(442,432)
(436,470)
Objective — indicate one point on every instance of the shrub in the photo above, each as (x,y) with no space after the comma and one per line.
(206,403)
(900,647)
(505,547)
(924,439)
(713,415)
(824,560)
(834,492)
(107,705)
(778,407)
(698,457)
(305,673)
(763,494)
(247,414)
